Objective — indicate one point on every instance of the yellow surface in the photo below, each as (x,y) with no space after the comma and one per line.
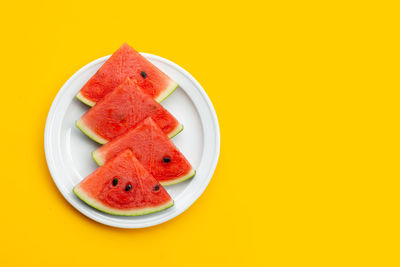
(307,95)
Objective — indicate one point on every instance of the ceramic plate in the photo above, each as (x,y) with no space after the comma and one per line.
(68,150)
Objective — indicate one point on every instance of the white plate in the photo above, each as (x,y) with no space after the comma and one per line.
(68,149)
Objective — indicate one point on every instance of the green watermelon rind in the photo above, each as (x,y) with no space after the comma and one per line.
(98,158)
(167,92)
(85,100)
(178,129)
(132,212)
(97,138)
(181,179)
(89,133)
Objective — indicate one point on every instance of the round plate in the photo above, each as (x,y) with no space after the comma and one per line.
(68,150)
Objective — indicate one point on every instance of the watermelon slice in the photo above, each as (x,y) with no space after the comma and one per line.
(124,63)
(122,109)
(123,187)
(153,149)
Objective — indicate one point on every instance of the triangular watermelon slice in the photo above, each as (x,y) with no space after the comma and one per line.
(123,187)
(153,149)
(122,109)
(124,63)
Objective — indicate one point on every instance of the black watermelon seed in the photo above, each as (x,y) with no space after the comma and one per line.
(144,74)
(115,181)
(156,187)
(166,159)
(128,187)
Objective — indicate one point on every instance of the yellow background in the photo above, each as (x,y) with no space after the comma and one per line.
(307,96)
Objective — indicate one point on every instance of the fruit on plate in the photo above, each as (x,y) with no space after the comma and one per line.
(123,187)
(153,149)
(122,109)
(124,63)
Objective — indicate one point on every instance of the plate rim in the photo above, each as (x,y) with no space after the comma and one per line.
(52,167)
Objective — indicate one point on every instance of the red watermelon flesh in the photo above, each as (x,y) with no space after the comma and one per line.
(127,63)
(122,109)
(123,187)
(153,149)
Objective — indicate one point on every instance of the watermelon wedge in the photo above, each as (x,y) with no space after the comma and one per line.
(153,149)
(122,109)
(124,63)
(123,187)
